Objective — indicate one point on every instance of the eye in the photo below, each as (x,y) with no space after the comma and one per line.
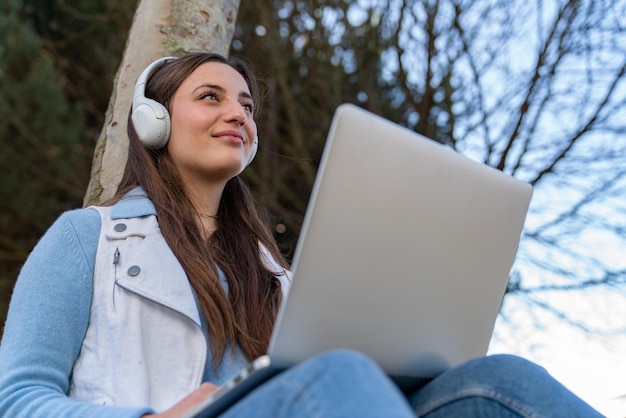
(209,94)
(249,107)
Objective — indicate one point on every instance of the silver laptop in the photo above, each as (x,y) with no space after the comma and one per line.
(404,255)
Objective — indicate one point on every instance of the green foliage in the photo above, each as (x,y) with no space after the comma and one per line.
(57,64)
(85,39)
(40,135)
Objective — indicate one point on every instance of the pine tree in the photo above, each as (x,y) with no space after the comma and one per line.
(42,158)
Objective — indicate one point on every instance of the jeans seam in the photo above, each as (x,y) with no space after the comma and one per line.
(300,388)
(485,392)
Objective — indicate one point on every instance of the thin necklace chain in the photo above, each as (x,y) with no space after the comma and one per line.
(206,215)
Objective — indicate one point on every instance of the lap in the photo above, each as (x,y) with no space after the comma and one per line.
(338,383)
(344,383)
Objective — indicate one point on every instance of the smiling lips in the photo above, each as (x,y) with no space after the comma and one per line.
(230,136)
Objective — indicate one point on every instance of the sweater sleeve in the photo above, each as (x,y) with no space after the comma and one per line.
(47,321)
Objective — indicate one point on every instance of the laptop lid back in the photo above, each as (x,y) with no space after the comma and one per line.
(404,253)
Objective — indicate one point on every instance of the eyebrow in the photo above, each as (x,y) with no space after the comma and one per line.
(221,89)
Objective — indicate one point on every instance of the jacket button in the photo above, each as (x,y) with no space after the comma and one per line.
(119,227)
(133,270)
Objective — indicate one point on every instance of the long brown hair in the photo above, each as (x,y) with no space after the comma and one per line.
(244,315)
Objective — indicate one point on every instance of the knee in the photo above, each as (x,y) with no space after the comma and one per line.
(345,359)
(347,371)
(347,364)
(509,364)
(503,382)
(504,370)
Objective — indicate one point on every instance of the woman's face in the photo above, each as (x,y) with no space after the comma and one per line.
(212,124)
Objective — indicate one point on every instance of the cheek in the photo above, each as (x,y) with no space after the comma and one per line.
(188,131)
(175,150)
(190,118)
(182,139)
(251,129)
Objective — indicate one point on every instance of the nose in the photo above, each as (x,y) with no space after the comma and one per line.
(236,113)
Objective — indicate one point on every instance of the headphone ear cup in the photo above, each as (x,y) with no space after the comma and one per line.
(152,122)
(255,148)
(150,118)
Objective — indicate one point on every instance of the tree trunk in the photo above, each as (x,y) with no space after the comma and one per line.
(160,28)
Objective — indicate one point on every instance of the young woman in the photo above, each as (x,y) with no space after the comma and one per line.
(147,304)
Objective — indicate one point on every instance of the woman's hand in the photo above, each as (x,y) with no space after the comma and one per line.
(188,402)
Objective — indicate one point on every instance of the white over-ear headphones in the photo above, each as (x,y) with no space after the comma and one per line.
(151,119)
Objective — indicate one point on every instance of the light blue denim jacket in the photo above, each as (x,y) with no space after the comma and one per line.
(96,329)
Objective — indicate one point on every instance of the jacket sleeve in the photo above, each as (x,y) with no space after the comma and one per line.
(47,321)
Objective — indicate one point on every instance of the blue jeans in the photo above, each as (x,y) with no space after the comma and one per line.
(344,383)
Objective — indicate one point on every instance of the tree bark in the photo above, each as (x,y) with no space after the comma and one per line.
(160,28)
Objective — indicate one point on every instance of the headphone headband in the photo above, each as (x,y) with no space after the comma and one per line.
(140,86)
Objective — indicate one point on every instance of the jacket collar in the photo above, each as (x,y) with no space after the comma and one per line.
(134,204)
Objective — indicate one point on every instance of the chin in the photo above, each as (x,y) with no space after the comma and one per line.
(229,171)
